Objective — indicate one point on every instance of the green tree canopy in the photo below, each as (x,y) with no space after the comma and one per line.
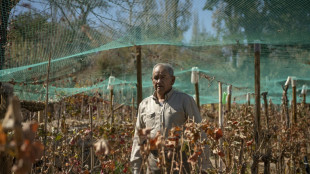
(262,20)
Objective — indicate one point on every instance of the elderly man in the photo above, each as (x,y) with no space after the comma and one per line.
(161,111)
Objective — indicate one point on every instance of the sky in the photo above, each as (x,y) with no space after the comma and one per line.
(205,18)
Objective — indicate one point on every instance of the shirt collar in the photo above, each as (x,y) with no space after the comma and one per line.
(167,95)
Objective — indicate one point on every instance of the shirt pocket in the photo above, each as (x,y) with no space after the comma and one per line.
(150,120)
(177,116)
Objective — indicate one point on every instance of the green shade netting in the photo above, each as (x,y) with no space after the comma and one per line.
(87,41)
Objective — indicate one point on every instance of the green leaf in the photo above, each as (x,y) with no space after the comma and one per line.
(58,137)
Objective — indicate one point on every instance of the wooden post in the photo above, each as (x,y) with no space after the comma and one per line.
(285,101)
(254,168)
(248,99)
(304,99)
(82,106)
(111,106)
(271,107)
(83,144)
(91,137)
(228,104)
(1,104)
(139,75)
(197,95)
(267,155)
(264,94)
(132,108)
(46,108)
(40,117)
(221,120)
(110,87)
(228,98)
(304,95)
(294,118)
(212,107)
(1,91)
(294,106)
(257,94)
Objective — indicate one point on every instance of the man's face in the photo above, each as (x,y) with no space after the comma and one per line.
(162,80)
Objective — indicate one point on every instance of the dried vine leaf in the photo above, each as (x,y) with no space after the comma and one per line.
(2,139)
(101,147)
(218,134)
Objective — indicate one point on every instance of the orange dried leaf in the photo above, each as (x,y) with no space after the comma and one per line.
(198,153)
(153,143)
(2,136)
(34,127)
(160,140)
(174,129)
(178,128)
(204,126)
(249,143)
(221,154)
(210,132)
(193,159)
(218,134)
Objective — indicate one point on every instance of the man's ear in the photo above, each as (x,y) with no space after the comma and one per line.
(173,80)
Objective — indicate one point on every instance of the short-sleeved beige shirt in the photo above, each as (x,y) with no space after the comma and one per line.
(174,111)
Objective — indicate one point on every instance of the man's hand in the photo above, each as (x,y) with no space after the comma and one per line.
(144,132)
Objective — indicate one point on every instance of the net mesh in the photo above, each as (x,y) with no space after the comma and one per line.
(87,41)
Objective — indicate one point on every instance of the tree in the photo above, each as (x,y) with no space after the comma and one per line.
(196,29)
(268,21)
(6,7)
(127,8)
(77,14)
(177,16)
(21,38)
(200,34)
(79,11)
(20,26)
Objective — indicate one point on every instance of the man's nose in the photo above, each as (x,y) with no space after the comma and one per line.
(158,80)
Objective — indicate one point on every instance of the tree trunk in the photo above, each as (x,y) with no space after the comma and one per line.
(175,17)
